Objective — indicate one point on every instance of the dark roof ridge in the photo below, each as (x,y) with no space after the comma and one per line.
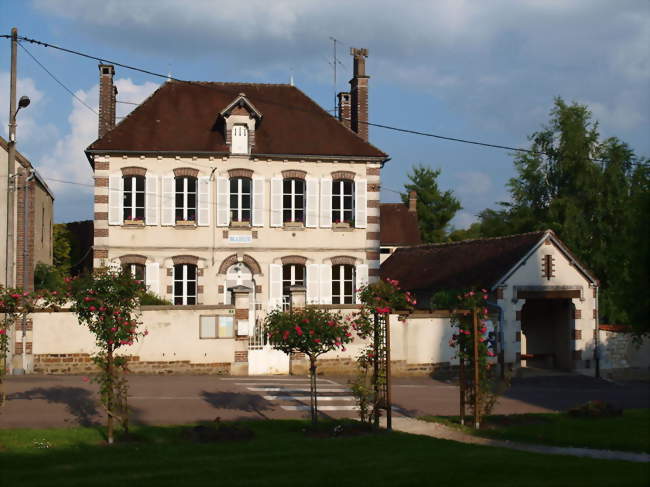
(473,240)
(231,83)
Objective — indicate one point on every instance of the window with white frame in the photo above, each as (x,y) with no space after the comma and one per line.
(292,275)
(239,143)
(134,198)
(343,281)
(185,198)
(185,284)
(240,199)
(137,271)
(293,200)
(343,201)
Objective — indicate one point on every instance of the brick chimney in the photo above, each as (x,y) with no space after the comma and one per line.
(345,109)
(359,93)
(413,201)
(107,94)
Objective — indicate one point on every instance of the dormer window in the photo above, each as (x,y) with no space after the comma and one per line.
(239,139)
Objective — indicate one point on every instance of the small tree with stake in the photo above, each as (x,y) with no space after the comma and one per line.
(107,302)
(312,331)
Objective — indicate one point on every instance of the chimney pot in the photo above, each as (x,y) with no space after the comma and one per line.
(344,109)
(413,201)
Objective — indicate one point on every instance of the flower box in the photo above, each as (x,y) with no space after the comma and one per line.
(294,224)
(134,222)
(186,223)
(244,224)
(341,225)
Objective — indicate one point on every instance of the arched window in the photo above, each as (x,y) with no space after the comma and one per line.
(137,271)
(134,198)
(293,200)
(240,199)
(239,143)
(185,198)
(343,280)
(343,201)
(185,284)
(292,275)
(238,274)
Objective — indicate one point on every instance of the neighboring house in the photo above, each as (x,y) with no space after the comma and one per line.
(546,301)
(206,186)
(38,207)
(399,226)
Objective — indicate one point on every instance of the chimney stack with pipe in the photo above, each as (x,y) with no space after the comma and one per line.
(345,111)
(107,94)
(359,93)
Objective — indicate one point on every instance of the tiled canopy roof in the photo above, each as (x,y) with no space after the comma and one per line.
(398,225)
(458,265)
(184,117)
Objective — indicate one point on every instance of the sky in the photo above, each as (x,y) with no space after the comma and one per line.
(471,69)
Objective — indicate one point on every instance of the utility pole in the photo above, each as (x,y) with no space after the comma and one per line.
(11,163)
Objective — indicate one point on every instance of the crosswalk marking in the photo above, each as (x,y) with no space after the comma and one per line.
(299,398)
(304,407)
(292,389)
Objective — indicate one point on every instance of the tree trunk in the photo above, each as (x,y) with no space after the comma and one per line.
(109,394)
(313,390)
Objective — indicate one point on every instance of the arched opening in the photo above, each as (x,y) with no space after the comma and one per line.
(546,334)
(238,274)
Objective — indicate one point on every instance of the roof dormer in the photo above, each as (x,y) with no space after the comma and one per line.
(241,117)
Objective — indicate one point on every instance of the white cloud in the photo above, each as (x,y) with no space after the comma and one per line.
(496,62)
(67,161)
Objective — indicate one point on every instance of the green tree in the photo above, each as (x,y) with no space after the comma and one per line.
(588,192)
(62,248)
(435,208)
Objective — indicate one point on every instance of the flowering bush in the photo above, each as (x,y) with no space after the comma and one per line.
(14,305)
(107,302)
(378,301)
(311,331)
(462,305)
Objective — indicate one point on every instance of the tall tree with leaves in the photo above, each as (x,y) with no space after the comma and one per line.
(435,208)
(586,191)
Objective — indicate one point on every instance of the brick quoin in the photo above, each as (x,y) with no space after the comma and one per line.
(101,198)
(101,182)
(102,166)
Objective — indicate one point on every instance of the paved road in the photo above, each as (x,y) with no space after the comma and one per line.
(53,401)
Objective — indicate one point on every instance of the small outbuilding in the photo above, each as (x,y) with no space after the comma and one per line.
(544,301)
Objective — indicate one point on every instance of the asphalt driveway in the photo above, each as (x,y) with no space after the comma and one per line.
(38,401)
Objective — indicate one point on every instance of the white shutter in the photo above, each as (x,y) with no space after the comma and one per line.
(258,202)
(311,220)
(152,276)
(168,204)
(362,278)
(151,200)
(326,284)
(326,203)
(203,202)
(275,286)
(361,203)
(223,202)
(276,202)
(115,200)
(313,280)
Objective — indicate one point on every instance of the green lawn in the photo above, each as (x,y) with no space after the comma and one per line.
(630,432)
(280,454)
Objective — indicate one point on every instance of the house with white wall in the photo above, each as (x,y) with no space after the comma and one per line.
(543,301)
(206,186)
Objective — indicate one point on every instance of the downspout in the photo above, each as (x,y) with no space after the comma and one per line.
(26,264)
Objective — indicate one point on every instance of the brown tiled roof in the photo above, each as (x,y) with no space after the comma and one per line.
(458,265)
(184,117)
(398,225)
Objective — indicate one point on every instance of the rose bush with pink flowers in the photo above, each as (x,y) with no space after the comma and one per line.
(108,303)
(312,331)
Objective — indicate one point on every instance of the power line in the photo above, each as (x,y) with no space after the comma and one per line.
(57,80)
(388,127)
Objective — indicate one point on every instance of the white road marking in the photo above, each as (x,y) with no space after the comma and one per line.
(292,389)
(265,380)
(298,398)
(321,408)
